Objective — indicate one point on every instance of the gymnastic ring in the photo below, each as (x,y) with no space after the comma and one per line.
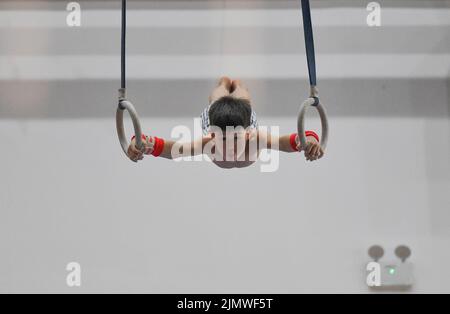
(125,105)
(312,102)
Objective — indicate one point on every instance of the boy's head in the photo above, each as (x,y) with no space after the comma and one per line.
(230,112)
(230,118)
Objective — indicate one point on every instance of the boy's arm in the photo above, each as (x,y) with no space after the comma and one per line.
(282,143)
(291,144)
(166,148)
(187,149)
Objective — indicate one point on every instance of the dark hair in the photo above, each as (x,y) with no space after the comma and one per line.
(230,111)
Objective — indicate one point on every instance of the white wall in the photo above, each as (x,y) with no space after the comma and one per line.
(67,193)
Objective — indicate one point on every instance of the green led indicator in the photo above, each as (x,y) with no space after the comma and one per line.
(391,271)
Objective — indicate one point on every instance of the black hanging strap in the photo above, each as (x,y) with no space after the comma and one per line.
(124,35)
(309,42)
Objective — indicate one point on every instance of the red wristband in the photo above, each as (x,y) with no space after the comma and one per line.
(159,147)
(293,139)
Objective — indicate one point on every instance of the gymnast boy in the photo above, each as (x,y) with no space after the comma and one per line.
(231,137)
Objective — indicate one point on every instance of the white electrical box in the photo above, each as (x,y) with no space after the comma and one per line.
(394,275)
